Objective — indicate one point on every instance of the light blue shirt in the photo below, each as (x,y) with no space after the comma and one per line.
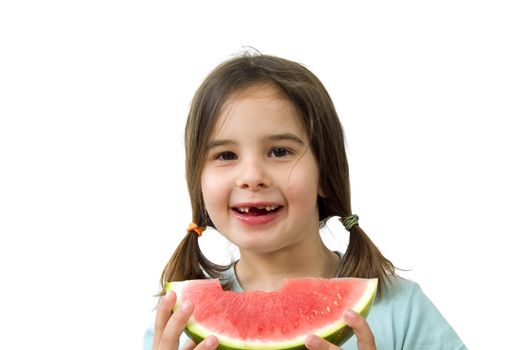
(403,318)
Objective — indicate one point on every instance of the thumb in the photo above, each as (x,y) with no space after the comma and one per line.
(361,330)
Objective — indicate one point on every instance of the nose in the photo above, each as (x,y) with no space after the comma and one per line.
(252,175)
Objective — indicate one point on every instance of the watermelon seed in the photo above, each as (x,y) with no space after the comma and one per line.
(339,296)
(328,309)
(335,302)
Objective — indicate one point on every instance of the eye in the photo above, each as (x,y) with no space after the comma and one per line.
(226,156)
(279,152)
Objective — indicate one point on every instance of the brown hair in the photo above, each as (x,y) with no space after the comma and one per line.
(307,93)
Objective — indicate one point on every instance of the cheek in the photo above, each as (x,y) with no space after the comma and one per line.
(212,191)
(303,188)
(305,195)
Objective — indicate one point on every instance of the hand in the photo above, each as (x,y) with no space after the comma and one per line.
(169,326)
(361,331)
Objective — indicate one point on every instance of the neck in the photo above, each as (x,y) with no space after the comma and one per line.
(267,271)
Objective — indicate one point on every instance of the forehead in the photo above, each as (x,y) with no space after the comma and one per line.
(258,108)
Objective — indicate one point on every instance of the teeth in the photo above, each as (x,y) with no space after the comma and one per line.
(267,207)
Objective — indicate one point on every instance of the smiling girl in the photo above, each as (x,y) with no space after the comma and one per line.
(266,167)
(260,186)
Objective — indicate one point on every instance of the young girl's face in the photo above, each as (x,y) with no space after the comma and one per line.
(260,178)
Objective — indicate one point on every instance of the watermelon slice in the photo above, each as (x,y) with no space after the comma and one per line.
(274,320)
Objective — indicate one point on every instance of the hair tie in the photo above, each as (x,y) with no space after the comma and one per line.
(195,228)
(350,221)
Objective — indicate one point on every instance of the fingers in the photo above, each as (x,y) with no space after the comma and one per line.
(175,325)
(313,342)
(162,315)
(210,343)
(169,326)
(361,330)
(189,345)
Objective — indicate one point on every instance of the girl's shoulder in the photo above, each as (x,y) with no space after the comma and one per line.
(403,298)
(406,317)
(399,289)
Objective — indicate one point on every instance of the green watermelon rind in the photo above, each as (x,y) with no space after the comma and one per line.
(337,333)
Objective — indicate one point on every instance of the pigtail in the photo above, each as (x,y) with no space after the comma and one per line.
(363,259)
(189,263)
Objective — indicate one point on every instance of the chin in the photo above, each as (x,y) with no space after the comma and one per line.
(260,247)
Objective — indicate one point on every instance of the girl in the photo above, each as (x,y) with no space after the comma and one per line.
(266,167)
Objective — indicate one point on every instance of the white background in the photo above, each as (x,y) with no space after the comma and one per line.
(93,100)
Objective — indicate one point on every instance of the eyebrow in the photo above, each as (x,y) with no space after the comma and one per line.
(218,143)
(287,136)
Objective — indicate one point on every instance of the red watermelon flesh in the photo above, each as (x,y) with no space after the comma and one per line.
(274,320)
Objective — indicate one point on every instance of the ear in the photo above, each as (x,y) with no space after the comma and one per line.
(321,193)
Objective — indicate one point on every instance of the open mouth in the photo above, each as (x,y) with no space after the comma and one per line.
(258,211)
